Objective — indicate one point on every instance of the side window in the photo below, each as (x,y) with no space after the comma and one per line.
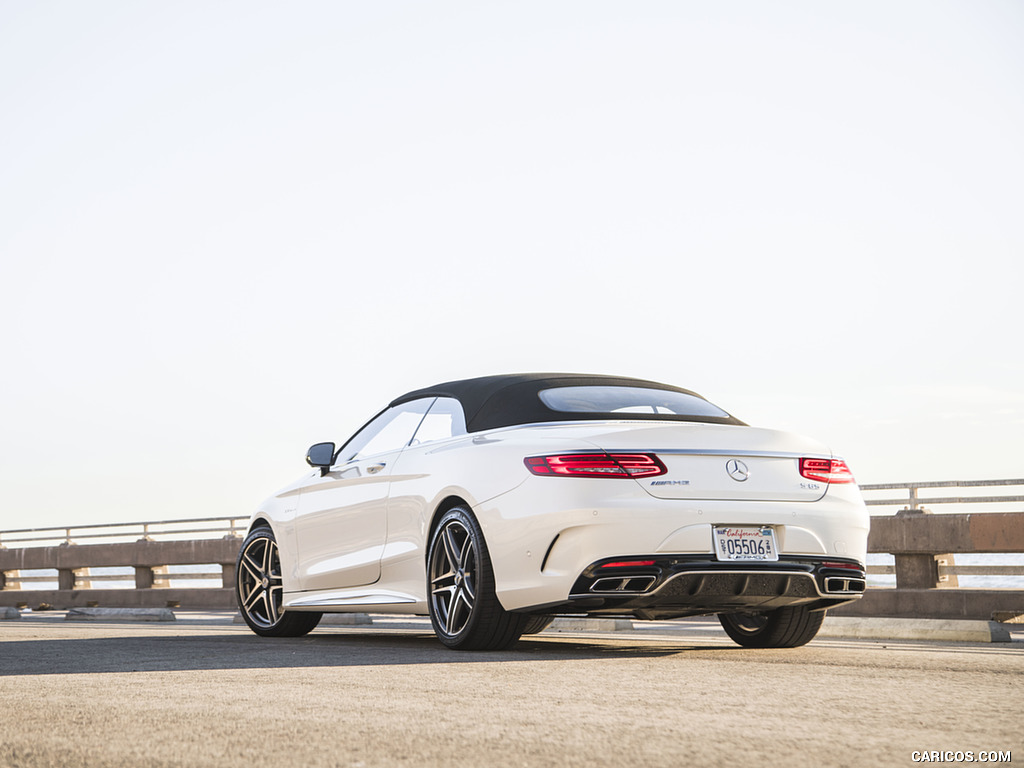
(444,419)
(390,431)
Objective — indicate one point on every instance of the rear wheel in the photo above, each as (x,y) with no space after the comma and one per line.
(782,628)
(464,609)
(260,591)
(535,624)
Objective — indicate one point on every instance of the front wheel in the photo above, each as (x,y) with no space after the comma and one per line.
(464,609)
(260,590)
(787,627)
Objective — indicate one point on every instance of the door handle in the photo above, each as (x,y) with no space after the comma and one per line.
(373,469)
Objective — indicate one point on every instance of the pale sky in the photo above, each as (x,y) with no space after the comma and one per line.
(230,230)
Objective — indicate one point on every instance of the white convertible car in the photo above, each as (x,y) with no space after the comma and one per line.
(497,503)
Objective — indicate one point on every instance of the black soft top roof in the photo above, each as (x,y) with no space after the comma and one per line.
(490,402)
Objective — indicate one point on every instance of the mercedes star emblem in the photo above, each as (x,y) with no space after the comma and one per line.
(737,470)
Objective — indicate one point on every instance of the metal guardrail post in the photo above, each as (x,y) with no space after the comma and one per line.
(913,498)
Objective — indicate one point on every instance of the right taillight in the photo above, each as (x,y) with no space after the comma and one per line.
(826,470)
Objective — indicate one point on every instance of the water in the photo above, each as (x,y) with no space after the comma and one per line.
(965,582)
(128,580)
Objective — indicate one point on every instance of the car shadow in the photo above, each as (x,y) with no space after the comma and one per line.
(107,655)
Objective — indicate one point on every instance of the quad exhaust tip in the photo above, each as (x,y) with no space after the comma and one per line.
(844,585)
(623,584)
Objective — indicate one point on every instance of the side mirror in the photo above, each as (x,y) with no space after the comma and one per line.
(321,455)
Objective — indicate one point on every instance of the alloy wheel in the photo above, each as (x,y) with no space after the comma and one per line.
(453,578)
(260,588)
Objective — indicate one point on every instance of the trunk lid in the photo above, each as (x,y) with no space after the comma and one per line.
(720,462)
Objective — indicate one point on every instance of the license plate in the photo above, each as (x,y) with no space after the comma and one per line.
(734,543)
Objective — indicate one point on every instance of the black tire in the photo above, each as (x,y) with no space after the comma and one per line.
(464,610)
(535,624)
(782,628)
(259,590)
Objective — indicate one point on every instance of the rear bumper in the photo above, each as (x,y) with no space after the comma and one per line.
(547,532)
(691,585)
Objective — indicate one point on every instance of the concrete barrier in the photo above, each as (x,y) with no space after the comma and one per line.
(192,599)
(120,615)
(582,624)
(147,558)
(922,544)
(914,629)
(330,619)
(953,604)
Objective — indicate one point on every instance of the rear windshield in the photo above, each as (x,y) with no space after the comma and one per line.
(626,400)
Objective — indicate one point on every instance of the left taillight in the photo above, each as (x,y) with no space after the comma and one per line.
(826,470)
(596,465)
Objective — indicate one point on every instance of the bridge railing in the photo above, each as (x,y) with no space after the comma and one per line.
(194,528)
(914,500)
(924,544)
(920,498)
(151,554)
(122,564)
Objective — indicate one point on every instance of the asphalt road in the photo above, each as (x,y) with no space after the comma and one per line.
(209,693)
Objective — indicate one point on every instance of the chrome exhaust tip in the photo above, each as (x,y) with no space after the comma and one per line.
(844,585)
(622,584)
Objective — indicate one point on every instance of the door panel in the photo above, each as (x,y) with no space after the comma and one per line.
(341,525)
(341,522)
